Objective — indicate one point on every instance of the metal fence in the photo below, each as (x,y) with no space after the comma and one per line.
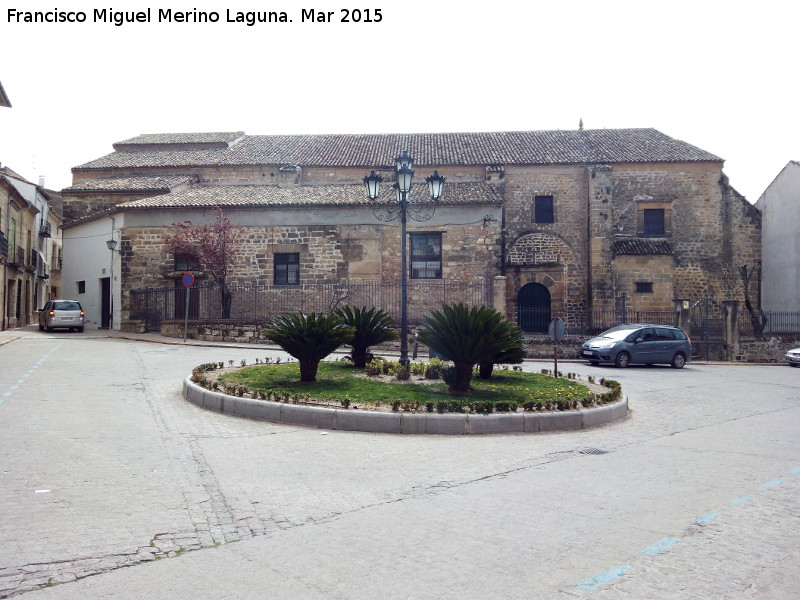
(261,302)
(777,322)
(589,322)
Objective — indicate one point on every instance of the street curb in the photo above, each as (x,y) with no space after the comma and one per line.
(400,422)
(9,340)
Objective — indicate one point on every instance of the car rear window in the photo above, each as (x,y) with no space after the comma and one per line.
(679,335)
(66,306)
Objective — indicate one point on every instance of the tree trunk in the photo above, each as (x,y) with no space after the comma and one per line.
(227,300)
(486,369)
(463,378)
(359,356)
(308,370)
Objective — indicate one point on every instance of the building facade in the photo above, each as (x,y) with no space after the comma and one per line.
(30,247)
(565,222)
(780,209)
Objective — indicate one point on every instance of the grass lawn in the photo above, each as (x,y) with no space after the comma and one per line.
(339,382)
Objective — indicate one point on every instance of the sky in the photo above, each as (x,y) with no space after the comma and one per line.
(721,76)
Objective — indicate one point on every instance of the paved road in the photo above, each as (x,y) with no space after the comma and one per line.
(103,465)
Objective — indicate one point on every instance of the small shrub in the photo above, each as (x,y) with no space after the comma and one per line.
(402,373)
(395,405)
(345,402)
(429,407)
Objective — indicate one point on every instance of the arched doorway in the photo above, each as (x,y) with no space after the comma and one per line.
(533,308)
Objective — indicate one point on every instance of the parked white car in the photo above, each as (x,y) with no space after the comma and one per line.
(64,314)
(793,357)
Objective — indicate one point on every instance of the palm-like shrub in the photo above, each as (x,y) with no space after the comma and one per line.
(309,338)
(512,355)
(372,326)
(467,336)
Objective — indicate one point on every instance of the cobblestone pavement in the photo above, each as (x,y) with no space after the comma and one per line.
(105,466)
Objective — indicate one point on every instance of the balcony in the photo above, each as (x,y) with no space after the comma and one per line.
(45,229)
(3,245)
(16,257)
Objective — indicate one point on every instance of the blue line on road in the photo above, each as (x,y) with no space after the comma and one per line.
(741,500)
(795,471)
(660,546)
(773,483)
(603,578)
(706,519)
(12,388)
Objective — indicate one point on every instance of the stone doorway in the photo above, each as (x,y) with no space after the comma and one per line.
(533,308)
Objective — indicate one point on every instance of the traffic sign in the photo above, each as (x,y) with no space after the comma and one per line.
(557,330)
(188,280)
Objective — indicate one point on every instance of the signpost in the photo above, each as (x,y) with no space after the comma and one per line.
(556,331)
(188,282)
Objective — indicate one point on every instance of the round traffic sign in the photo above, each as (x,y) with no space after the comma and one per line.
(188,280)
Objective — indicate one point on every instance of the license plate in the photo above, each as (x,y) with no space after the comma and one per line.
(587,353)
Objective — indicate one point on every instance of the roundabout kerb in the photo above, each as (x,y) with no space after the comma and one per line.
(404,422)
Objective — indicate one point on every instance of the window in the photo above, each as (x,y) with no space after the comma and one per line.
(644,287)
(426,256)
(543,209)
(186,262)
(81,287)
(287,268)
(654,222)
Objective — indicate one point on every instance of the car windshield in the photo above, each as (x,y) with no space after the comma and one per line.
(66,306)
(617,333)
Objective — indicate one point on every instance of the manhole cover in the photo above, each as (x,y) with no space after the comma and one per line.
(592,451)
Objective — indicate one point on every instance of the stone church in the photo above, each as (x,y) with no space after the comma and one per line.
(558,222)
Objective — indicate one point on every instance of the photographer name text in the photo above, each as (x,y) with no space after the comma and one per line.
(120,18)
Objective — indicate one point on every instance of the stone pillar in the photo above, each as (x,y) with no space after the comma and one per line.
(683,308)
(731,329)
(499,294)
(601,221)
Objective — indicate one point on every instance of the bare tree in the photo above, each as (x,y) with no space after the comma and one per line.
(758,317)
(213,245)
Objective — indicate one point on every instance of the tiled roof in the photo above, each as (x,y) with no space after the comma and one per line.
(595,146)
(212,139)
(307,195)
(130,184)
(642,246)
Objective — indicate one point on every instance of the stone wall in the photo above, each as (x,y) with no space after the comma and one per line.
(768,350)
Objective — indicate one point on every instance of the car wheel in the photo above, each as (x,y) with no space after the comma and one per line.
(79,329)
(793,364)
(678,361)
(623,360)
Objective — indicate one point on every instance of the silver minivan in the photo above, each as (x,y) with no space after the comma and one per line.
(640,343)
(64,314)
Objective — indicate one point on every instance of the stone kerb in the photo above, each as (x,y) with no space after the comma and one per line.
(400,422)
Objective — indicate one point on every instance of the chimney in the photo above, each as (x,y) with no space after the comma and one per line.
(41,181)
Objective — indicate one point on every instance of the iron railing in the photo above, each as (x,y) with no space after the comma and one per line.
(261,302)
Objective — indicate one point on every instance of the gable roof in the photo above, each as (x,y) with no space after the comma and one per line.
(4,101)
(592,146)
(639,246)
(245,196)
(141,184)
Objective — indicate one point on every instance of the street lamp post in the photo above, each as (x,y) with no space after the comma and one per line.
(402,210)
(111,244)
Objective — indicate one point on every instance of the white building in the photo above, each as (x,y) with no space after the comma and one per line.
(780,240)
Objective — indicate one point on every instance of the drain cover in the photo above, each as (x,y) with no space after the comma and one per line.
(592,451)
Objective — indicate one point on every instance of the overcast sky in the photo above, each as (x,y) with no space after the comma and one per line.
(719,75)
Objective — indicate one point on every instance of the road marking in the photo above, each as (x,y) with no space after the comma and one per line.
(773,483)
(660,546)
(603,578)
(706,519)
(795,471)
(741,500)
(13,388)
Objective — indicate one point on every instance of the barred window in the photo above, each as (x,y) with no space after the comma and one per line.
(186,262)
(287,268)
(426,255)
(543,209)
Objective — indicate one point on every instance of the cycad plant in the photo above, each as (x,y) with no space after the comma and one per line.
(512,355)
(467,336)
(371,326)
(309,338)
